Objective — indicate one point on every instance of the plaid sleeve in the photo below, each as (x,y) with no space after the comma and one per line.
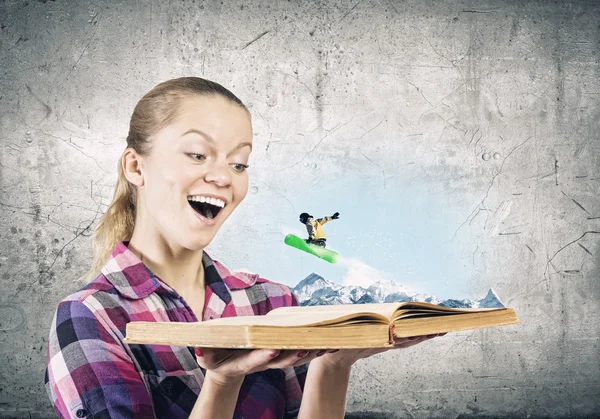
(295,379)
(89,374)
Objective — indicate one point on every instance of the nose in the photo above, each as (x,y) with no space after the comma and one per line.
(218,174)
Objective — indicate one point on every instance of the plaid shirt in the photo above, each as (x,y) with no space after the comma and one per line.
(91,373)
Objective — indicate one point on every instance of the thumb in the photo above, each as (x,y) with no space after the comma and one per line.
(260,357)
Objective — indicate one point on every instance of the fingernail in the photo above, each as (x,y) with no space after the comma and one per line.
(274,354)
(443,334)
(413,338)
(431,336)
(321,353)
(302,354)
(198,352)
(333,351)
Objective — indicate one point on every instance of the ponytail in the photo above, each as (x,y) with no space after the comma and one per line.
(115,225)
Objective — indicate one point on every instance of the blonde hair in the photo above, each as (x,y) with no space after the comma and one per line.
(155,110)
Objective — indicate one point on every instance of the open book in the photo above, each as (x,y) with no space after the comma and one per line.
(320,327)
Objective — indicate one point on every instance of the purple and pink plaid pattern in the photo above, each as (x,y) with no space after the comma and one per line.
(91,373)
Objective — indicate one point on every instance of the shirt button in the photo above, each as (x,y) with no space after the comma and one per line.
(81,413)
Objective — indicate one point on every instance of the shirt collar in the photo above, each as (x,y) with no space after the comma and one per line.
(235,280)
(134,280)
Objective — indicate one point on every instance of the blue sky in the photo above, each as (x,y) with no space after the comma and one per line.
(396,233)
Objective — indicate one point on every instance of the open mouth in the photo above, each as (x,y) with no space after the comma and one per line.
(205,206)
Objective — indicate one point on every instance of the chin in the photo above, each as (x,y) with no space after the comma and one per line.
(196,242)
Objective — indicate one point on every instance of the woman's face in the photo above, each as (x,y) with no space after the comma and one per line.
(195,173)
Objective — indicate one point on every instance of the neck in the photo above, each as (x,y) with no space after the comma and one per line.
(178,267)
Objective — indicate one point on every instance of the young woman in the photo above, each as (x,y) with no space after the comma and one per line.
(181,176)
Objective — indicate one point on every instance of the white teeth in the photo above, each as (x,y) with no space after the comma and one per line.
(206,199)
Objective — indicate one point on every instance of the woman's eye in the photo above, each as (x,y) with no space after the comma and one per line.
(238,167)
(197,157)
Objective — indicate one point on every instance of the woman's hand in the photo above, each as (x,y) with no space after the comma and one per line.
(225,366)
(347,357)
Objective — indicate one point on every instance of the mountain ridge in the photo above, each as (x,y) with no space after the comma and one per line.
(316,290)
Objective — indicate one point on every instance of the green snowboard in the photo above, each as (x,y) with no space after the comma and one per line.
(320,252)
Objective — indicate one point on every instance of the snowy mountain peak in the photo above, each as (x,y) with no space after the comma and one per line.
(311,284)
(491,300)
(316,290)
(310,280)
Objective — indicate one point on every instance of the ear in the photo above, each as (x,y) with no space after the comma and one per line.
(132,167)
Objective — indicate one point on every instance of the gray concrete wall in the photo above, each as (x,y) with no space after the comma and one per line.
(421,89)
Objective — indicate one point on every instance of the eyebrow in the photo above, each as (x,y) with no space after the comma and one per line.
(210,140)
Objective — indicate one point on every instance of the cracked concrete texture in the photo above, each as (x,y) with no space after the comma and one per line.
(493,105)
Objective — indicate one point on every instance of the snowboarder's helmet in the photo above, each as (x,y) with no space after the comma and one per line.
(304,217)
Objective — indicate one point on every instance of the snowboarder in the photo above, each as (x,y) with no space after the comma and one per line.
(314,227)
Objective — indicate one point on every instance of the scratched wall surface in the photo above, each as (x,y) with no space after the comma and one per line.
(492,106)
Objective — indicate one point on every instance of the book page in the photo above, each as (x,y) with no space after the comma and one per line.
(304,318)
(419,307)
(418,326)
(385,310)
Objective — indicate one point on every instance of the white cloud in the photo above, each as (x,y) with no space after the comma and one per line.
(361,274)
